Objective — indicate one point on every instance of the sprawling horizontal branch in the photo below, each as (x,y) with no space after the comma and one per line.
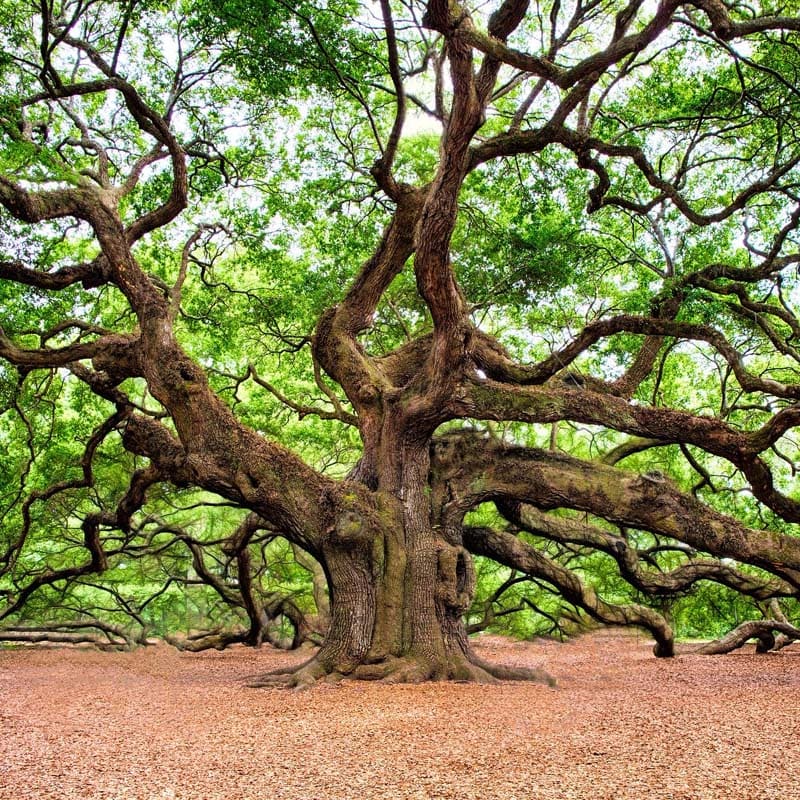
(486,399)
(476,470)
(34,207)
(726,28)
(595,331)
(269,480)
(649,581)
(105,635)
(51,357)
(90,275)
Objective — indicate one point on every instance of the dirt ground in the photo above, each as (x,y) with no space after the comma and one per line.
(157,725)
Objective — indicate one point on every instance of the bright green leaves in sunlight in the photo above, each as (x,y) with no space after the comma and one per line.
(284,49)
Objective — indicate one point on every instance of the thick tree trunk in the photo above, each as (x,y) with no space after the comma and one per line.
(397,615)
(398,595)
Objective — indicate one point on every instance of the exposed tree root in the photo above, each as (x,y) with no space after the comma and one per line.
(400,670)
(289,677)
(395,670)
(506,673)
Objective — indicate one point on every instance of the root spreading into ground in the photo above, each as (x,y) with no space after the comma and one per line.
(154,724)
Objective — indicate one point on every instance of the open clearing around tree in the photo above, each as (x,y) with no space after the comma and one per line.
(157,724)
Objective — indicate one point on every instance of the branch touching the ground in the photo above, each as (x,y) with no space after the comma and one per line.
(113,637)
(511,551)
(762,629)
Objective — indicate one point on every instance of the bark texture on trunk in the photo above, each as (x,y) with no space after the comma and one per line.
(399,591)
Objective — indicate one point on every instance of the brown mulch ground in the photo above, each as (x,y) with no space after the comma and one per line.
(157,725)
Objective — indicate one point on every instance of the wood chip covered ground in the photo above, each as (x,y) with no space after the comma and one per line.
(158,725)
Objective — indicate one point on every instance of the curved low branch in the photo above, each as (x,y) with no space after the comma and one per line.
(10,555)
(514,553)
(132,500)
(651,582)
(761,629)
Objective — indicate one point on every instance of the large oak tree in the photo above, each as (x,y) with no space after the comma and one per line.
(576,221)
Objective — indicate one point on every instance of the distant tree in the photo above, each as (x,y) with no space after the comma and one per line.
(486,253)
